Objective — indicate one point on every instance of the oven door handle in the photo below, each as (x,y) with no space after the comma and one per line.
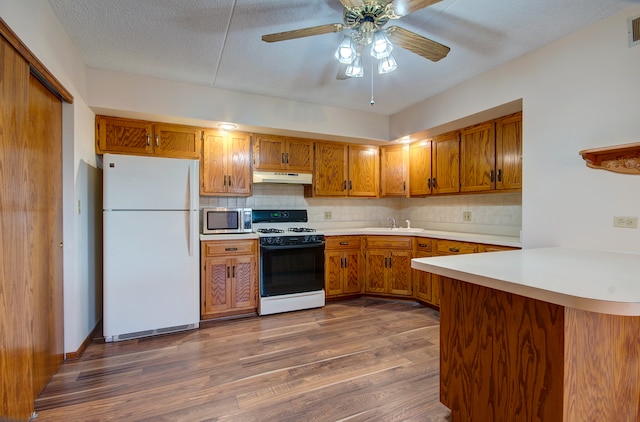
(275,248)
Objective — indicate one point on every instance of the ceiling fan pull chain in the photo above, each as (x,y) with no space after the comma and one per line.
(372,102)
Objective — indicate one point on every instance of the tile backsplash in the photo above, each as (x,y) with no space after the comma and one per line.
(496,213)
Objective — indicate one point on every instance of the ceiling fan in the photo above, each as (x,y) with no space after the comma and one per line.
(364,21)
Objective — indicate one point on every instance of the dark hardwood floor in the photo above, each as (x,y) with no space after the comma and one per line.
(356,360)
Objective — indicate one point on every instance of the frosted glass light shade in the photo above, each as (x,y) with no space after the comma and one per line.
(355,69)
(387,64)
(346,51)
(380,45)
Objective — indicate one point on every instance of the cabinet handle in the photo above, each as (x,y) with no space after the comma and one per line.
(230,249)
(499,175)
(454,250)
(422,245)
(157,140)
(148,139)
(344,243)
(224,183)
(390,262)
(429,183)
(344,185)
(404,186)
(386,262)
(233,271)
(350,185)
(228,272)
(434,182)
(282,158)
(287,158)
(492,176)
(229,179)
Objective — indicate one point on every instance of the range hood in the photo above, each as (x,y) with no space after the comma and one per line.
(281,177)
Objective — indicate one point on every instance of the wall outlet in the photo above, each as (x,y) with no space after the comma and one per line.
(466,216)
(328,215)
(625,222)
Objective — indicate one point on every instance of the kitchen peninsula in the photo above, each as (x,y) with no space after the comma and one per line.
(539,334)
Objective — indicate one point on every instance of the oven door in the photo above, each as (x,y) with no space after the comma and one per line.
(291,269)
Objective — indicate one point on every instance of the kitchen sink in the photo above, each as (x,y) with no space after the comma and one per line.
(391,229)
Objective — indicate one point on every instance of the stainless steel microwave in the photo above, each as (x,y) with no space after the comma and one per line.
(226,220)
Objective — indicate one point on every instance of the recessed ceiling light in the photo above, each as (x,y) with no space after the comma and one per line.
(227,126)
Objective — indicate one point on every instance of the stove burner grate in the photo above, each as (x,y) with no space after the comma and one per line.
(301,229)
(270,230)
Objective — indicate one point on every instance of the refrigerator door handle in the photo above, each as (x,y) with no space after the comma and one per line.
(193,206)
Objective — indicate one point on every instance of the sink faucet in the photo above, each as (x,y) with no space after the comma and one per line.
(393,222)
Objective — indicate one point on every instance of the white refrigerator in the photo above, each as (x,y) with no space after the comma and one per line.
(151,246)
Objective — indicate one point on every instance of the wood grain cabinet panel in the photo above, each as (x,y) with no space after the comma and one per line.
(394,170)
(274,153)
(445,162)
(388,265)
(420,168)
(225,164)
(509,152)
(478,158)
(139,137)
(343,265)
(229,284)
(422,286)
(346,170)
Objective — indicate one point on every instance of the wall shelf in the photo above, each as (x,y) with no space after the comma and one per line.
(623,159)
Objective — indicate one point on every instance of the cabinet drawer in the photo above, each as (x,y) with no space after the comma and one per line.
(236,247)
(388,242)
(452,247)
(495,248)
(422,245)
(343,242)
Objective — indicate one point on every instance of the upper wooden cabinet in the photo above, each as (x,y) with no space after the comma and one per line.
(445,163)
(225,164)
(394,170)
(346,170)
(509,152)
(273,153)
(478,158)
(420,168)
(139,137)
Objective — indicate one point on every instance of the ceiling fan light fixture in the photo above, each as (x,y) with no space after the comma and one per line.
(380,45)
(387,64)
(355,69)
(346,51)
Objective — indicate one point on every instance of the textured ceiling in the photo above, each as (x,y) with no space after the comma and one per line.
(217,43)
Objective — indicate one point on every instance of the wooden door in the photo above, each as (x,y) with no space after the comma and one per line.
(244,276)
(420,168)
(331,169)
(477,158)
(31,324)
(333,268)
(213,163)
(299,155)
(364,164)
(216,286)
(269,152)
(376,272)
(352,271)
(238,152)
(399,269)
(446,163)
(393,172)
(124,136)
(509,152)
(176,141)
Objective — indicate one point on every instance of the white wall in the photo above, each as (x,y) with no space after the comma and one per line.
(580,92)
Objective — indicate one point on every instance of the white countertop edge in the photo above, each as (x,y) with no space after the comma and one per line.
(239,236)
(618,307)
(488,239)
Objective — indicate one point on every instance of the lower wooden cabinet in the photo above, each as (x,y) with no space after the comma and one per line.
(229,273)
(388,265)
(343,265)
(422,286)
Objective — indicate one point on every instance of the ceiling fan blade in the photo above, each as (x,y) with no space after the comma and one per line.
(305,32)
(350,4)
(404,7)
(418,44)
(342,69)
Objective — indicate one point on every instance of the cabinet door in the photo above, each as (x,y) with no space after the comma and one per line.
(333,266)
(363,170)
(375,278)
(420,168)
(331,169)
(422,281)
(124,136)
(446,163)
(244,276)
(299,155)
(176,141)
(213,164)
(269,152)
(238,165)
(509,152)
(435,289)
(477,158)
(399,270)
(216,286)
(352,271)
(393,181)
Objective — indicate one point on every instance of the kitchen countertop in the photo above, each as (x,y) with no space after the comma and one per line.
(433,234)
(604,282)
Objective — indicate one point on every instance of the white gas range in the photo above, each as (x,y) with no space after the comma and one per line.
(291,261)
